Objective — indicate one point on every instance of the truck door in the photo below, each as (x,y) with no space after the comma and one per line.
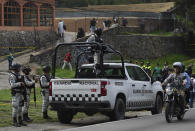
(145,83)
(135,89)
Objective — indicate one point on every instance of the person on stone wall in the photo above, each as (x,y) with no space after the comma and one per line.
(61,29)
(93,23)
(67,60)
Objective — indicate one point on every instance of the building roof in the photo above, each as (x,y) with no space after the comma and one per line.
(147,7)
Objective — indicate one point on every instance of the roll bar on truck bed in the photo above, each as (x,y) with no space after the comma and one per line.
(92,48)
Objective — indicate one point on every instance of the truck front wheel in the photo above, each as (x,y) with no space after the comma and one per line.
(158,106)
(119,110)
(65,116)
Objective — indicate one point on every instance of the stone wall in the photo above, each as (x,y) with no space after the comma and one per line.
(22,40)
(145,47)
(131,46)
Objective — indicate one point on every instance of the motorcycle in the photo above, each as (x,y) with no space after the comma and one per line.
(173,106)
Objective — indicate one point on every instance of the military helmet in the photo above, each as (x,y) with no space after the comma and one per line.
(26,68)
(46,68)
(15,66)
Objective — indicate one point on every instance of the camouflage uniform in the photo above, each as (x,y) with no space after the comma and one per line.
(44,83)
(17,91)
(29,84)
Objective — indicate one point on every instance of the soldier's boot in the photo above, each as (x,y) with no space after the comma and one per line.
(26,118)
(21,123)
(45,115)
(15,123)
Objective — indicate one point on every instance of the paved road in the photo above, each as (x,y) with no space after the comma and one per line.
(148,123)
(56,126)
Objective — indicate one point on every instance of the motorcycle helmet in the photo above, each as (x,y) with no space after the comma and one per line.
(178,65)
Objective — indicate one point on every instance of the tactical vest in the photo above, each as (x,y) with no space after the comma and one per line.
(30,87)
(48,80)
(19,89)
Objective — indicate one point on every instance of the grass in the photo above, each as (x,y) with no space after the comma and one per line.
(65,73)
(35,112)
(171,58)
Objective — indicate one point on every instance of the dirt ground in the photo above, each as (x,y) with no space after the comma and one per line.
(154,7)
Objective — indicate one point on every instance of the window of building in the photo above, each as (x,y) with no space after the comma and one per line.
(46,15)
(11,13)
(30,15)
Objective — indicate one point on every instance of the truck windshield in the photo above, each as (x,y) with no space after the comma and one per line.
(111,73)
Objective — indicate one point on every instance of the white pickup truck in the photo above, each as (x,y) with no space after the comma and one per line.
(113,94)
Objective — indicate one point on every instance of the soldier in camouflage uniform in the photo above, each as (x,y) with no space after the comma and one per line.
(17,90)
(44,83)
(29,84)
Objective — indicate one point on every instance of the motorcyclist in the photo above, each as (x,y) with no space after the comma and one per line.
(178,80)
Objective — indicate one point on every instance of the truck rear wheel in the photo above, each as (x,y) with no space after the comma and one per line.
(119,110)
(65,116)
(158,105)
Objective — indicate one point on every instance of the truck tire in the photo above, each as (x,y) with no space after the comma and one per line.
(158,106)
(65,116)
(119,110)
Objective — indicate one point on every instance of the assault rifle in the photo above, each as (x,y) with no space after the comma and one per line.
(35,77)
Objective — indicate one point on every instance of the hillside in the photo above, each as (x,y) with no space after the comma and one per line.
(147,7)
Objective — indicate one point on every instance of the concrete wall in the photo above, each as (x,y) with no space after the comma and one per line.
(22,40)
